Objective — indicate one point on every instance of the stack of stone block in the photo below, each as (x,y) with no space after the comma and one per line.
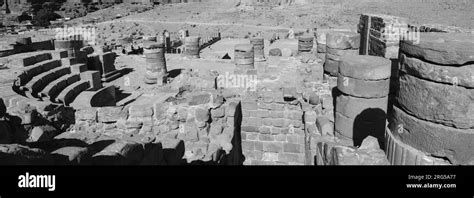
(361,105)
(339,44)
(435,101)
(272,129)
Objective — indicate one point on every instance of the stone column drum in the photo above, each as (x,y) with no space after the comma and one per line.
(305,44)
(244,58)
(434,108)
(258,46)
(155,63)
(361,105)
(337,45)
(192,46)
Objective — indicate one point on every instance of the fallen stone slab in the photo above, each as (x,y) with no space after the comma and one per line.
(363,88)
(15,154)
(433,139)
(43,133)
(460,75)
(453,49)
(131,152)
(440,103)
(72,156)
(348,156)
(365,67)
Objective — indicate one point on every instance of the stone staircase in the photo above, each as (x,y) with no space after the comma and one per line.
(58,80)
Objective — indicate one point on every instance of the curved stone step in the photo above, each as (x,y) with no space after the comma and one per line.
(54,88)
(70,92)
(36,59)
(399,153)
(35,70)
(39,82)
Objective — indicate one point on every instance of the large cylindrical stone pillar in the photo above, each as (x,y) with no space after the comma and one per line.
(244,58)
(259,49)
(191,45)
(362,102)
(434,108)
(156,71)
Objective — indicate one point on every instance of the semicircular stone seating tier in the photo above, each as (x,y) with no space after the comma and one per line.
(59,78)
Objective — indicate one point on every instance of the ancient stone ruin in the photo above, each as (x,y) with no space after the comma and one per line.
(311,97)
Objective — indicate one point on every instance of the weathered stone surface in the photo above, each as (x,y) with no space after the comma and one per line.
(42,134)
(190,132)
(310,116)
(435,139)
(339,52)
(132,152)
(198,98)
(140,111)
(231,109)
(71,156)
(373,109)
(286,52)
(86,114)
(275,52)
(331,67)
(327,102)
(365,67)
(399,153)
(439,103)
(462,75)
(325,127)
(343,40)
(201,114)
(15,154)
(363,88)
(111,114)
(442,48)
(348,156)
(218,113)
